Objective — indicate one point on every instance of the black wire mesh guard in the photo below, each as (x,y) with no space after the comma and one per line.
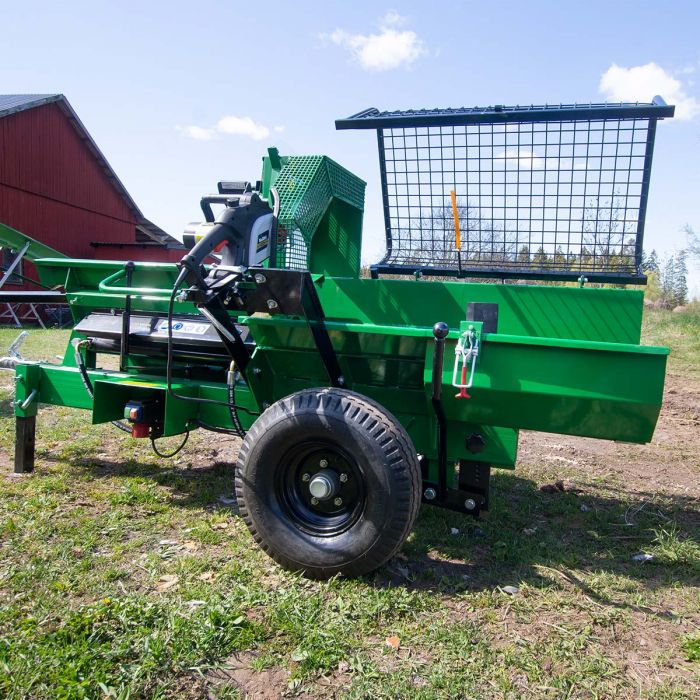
(551,192)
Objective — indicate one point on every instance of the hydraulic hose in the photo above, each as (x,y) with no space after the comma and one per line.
(230,403)
(82,370)
(231,393)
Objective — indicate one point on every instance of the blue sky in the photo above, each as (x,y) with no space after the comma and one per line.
(248,75)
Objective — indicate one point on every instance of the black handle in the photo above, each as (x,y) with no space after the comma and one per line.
(126,317)
(440,331)
(210,199)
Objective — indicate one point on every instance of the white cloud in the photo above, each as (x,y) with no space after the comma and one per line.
(232,125)
(393,19)
(642,83)
(521,158)
(198,133)
(242,126)
(279,129)
(389,49)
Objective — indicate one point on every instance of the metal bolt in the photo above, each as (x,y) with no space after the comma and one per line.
(323,463)
(314,501)
(470,504)
(257,371)
(343,478)
(272,304)
(306,477)
(341,380)
(338,501)
(430,494)
(260,279)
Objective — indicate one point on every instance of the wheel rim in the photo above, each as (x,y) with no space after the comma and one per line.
(317,462)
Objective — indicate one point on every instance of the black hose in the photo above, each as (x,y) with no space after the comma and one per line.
(214,429)
(233,409)
(82,370)
(169,370)
(117,424)
(172,454)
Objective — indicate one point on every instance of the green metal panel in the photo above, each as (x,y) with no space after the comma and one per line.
(612,315)
(62,385)
(578,387)
(320,217)
(11,238)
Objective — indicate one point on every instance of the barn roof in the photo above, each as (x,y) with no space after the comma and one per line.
(146,231)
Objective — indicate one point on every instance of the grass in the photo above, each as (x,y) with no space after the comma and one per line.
(124,576)
(680,332)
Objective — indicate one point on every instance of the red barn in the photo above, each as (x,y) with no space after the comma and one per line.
(57,187)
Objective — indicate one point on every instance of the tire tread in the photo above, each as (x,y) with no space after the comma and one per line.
(399,455)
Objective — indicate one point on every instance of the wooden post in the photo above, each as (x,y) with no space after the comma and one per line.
(24,444)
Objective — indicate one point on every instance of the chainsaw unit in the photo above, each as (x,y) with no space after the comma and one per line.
(357,398)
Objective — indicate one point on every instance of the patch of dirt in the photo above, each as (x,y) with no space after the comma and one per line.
(268,684)
(642,651)
(670,462)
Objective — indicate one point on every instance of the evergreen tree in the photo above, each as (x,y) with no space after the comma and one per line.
(541,259)
(560,259)
(667,282)
(524,254)
(650,263)
(680,279)
(693,243)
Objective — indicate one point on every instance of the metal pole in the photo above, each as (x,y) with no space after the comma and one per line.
(11,267)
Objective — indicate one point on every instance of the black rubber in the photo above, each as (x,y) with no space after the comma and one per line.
(379,446)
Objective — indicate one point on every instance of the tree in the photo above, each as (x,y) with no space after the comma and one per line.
(680,279)
(650,263)
(693,243)
(672,281)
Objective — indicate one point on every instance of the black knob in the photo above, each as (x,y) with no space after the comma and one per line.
(129,266)
(440,330)
(475,443)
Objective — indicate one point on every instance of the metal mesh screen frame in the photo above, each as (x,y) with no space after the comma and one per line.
(541,192)
(306,186)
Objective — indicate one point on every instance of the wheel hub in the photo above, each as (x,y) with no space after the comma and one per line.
(321,487)
(324,484)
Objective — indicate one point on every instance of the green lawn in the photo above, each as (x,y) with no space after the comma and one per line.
(125,576)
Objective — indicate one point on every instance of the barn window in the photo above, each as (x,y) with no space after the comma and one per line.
(8,256)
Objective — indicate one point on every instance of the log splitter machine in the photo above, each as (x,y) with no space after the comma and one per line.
(357,397)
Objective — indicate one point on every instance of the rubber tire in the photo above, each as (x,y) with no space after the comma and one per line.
(382,449)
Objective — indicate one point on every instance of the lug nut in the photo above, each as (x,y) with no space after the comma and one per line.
(306,477)
(343,478)
(338,501)
(470,504)
(430,494)
(260,279)
(272,304)
(314,501)
(323,463)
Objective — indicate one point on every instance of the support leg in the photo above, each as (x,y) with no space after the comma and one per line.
(24,444)
(475,478)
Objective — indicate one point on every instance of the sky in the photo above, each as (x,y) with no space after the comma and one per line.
(179,95)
